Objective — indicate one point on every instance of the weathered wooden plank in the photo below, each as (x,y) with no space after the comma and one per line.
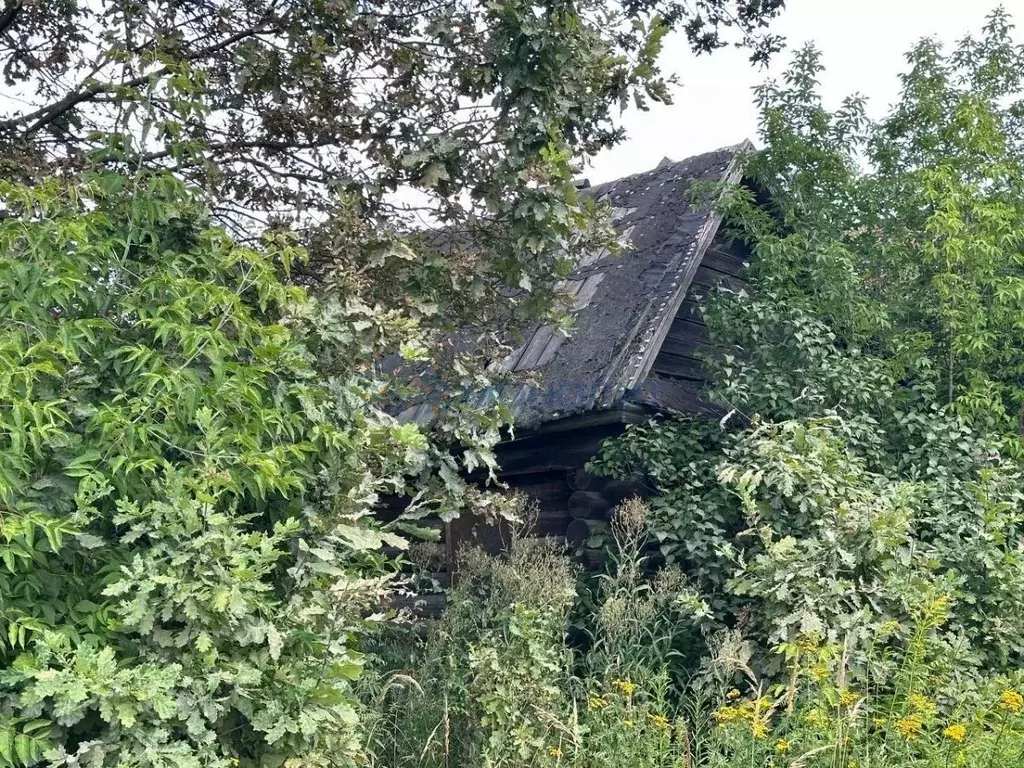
(584,291)
(545,487)
(689,328)
(528,354)
(618,491)
(546,340)
(688,368)
(554,451)
(666,393)
(564,456)
(531,355)
(682,346)
(581,480)
(587,291)
(723,262)
(550,349)
(571,287)
(711,278)
(732,247)
(512,359)
(551,526)
(689,310)
(419,413)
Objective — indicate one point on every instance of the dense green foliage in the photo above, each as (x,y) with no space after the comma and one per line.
(841,560)
(869,459)
(498,682)
(358,122)
(182,494)
(917,260)
(192,449)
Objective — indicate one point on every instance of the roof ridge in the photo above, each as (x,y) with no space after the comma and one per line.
(746,145)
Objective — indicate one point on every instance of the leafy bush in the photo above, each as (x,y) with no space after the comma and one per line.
(901,700)
(498,682)
(185,563)
(908,711)
(488,684)
(869,455)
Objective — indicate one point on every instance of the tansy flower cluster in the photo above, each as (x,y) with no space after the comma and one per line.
(910,726)
(752,713)
(624,687)
(955,732)
(1012,702)
(659,721)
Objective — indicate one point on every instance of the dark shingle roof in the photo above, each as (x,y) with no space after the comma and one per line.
(626,303)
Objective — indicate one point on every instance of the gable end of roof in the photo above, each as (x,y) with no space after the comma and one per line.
(627,302)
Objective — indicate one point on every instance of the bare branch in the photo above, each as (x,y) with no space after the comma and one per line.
(49,113)
(10,13)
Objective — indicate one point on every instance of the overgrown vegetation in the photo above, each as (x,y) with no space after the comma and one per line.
(192,448)
(870,453)
(184,561)
(840,566)
(497,683)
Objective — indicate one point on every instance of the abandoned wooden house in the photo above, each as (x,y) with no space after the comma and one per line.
(634,350)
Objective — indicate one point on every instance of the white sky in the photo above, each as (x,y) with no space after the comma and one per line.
(862,44)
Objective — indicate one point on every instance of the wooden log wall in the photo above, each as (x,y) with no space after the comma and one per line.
(577,507)
(571,506)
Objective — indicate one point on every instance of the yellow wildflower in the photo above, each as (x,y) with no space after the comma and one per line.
(555,752)
(910,727)
(878,721)
(728,714)
(782,746)
(921,704)
(659,721)
(955,732)
(733,694)
(759,729)
(848,698)
(624,686)
(596,702)
(1012,702)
